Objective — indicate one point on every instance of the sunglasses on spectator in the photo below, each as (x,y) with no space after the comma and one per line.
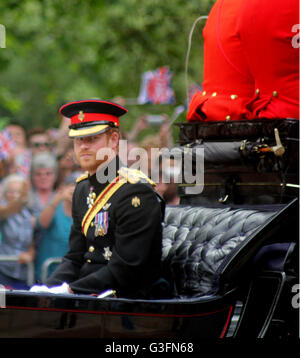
(48,173)
(40,144)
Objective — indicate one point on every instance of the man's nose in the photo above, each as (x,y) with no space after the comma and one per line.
(84,143)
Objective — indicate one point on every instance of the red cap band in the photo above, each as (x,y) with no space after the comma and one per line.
(94,117)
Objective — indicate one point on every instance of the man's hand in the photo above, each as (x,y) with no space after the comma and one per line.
(24,192)
(26,257)
(62,289)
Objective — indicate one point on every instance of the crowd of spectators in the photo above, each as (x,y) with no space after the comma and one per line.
(37,180)
(38,172)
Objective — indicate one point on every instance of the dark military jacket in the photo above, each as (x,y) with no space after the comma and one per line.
(126,255)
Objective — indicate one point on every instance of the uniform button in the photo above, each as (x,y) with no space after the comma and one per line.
(234,96)
(275,94)
(228,118)
(88,261)
(91,249)
(257,91)
(203,93)
(214,94)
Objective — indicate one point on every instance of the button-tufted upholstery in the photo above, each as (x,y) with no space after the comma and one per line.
(197,240)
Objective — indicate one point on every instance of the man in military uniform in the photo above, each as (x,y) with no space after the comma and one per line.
(115,239)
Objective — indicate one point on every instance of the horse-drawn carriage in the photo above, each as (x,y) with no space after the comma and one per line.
(232,263)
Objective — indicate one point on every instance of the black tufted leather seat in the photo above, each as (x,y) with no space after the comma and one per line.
(198,240)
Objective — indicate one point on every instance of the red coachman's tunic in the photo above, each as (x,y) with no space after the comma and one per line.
(251,68)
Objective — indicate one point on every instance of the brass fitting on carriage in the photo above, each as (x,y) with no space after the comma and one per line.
(260,148)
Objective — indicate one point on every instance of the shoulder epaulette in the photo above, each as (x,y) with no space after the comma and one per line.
(134,176)
(82,177)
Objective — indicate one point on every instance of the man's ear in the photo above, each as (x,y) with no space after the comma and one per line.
(113,140)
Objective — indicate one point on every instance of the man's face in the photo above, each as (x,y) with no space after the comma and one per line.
(39,143)
(86,150)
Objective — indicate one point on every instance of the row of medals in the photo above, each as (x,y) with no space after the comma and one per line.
(100,230)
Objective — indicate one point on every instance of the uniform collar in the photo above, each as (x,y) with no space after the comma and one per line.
(106,174)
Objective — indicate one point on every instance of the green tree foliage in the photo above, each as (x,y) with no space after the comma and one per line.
(58,51)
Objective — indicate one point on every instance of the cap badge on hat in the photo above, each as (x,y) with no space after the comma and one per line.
(91,117)
(81,116)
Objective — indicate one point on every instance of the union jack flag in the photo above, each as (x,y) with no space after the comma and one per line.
(156,87)
(7,144)
(23,163)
